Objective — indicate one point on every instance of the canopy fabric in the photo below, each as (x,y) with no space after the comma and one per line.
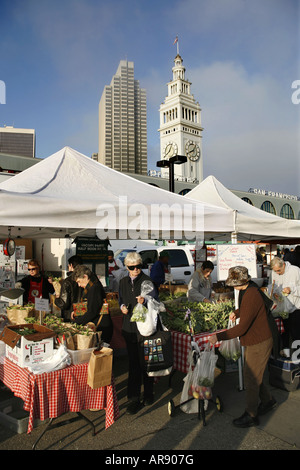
(250,222)
(68,194)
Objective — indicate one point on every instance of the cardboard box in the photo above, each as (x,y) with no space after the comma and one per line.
(28,349)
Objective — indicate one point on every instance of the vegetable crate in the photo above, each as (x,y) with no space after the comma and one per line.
(28,344)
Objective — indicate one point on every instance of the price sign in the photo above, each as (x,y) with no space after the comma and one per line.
(41,304)
(236,255)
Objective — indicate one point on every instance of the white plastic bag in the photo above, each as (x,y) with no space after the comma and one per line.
(146,318)
(58,360)
(207,363)
(231,348)
(283,306)
(188,405)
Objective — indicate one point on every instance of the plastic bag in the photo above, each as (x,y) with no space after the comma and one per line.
(282,306)
(187,404)
(140,311)
(58,360)
(230,349)
(206,367)
(146,318)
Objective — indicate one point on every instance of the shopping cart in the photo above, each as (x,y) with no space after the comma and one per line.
(202,402)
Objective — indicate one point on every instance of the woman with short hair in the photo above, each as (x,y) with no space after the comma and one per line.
(200,284)
(129,296)
(36,285)
(94,293)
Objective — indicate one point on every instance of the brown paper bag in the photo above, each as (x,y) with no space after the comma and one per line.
(16,314)
(100,368)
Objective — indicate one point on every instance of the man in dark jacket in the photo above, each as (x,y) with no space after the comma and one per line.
(129,296)
(70,291)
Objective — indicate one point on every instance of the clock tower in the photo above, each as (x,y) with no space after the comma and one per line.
(180,127)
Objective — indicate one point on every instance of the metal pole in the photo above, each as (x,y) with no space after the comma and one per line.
(171,177)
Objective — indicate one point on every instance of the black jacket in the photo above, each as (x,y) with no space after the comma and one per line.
(47,287)
(70,293)
(95,295)
(128,291)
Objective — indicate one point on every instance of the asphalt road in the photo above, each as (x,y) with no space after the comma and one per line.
(153,431)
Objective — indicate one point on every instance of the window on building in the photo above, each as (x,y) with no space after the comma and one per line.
(287,212)
(246,199)
(184,191)
(267,206)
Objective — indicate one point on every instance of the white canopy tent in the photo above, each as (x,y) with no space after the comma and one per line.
(250,223)
(69,194)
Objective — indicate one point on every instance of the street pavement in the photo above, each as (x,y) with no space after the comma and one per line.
(153,429)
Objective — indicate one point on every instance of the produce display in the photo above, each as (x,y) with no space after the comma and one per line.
(204,316)
(76,336)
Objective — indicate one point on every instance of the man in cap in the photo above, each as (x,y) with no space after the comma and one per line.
(256,336)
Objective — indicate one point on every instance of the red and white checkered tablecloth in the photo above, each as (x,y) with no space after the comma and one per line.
(182,345)
(51,394)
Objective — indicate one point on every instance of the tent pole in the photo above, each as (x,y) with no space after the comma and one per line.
(236,293)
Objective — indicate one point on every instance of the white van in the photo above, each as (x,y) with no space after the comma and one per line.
(180,260)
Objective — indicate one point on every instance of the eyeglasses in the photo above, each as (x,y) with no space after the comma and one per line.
(137,266)
(32,269)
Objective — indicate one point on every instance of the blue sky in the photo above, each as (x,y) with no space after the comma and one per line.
(241,56)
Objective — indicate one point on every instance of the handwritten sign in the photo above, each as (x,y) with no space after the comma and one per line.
(236,255)
(41,304)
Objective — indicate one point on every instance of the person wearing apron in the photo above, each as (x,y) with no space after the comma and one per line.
(36,285)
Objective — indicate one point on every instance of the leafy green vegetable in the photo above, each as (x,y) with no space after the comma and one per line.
(204,316)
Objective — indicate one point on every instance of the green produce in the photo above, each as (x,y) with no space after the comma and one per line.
(204,316)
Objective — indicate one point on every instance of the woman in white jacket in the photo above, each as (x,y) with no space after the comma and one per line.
(286,279)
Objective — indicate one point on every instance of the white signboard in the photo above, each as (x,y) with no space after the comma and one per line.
(41,304)
(236,255)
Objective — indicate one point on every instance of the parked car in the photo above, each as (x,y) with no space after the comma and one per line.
(180,260)
(121,254)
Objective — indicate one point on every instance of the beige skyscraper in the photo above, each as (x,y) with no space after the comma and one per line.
(123,123)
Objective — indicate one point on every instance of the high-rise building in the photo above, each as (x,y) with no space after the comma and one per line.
(123,123)
(180,126)
(19,142)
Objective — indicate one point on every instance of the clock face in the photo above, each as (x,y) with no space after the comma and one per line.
(170,150)
(192,150)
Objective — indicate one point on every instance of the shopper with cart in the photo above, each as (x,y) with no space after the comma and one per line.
(256,336)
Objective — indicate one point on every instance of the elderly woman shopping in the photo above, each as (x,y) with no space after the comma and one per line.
(129,296)
(256,337)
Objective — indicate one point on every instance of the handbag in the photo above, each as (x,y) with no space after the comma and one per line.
(157,351)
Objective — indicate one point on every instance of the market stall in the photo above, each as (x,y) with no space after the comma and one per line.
(205,319)
(52,394)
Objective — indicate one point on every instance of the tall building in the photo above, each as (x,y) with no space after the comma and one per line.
(19,142)
(180,126)
(123,123)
